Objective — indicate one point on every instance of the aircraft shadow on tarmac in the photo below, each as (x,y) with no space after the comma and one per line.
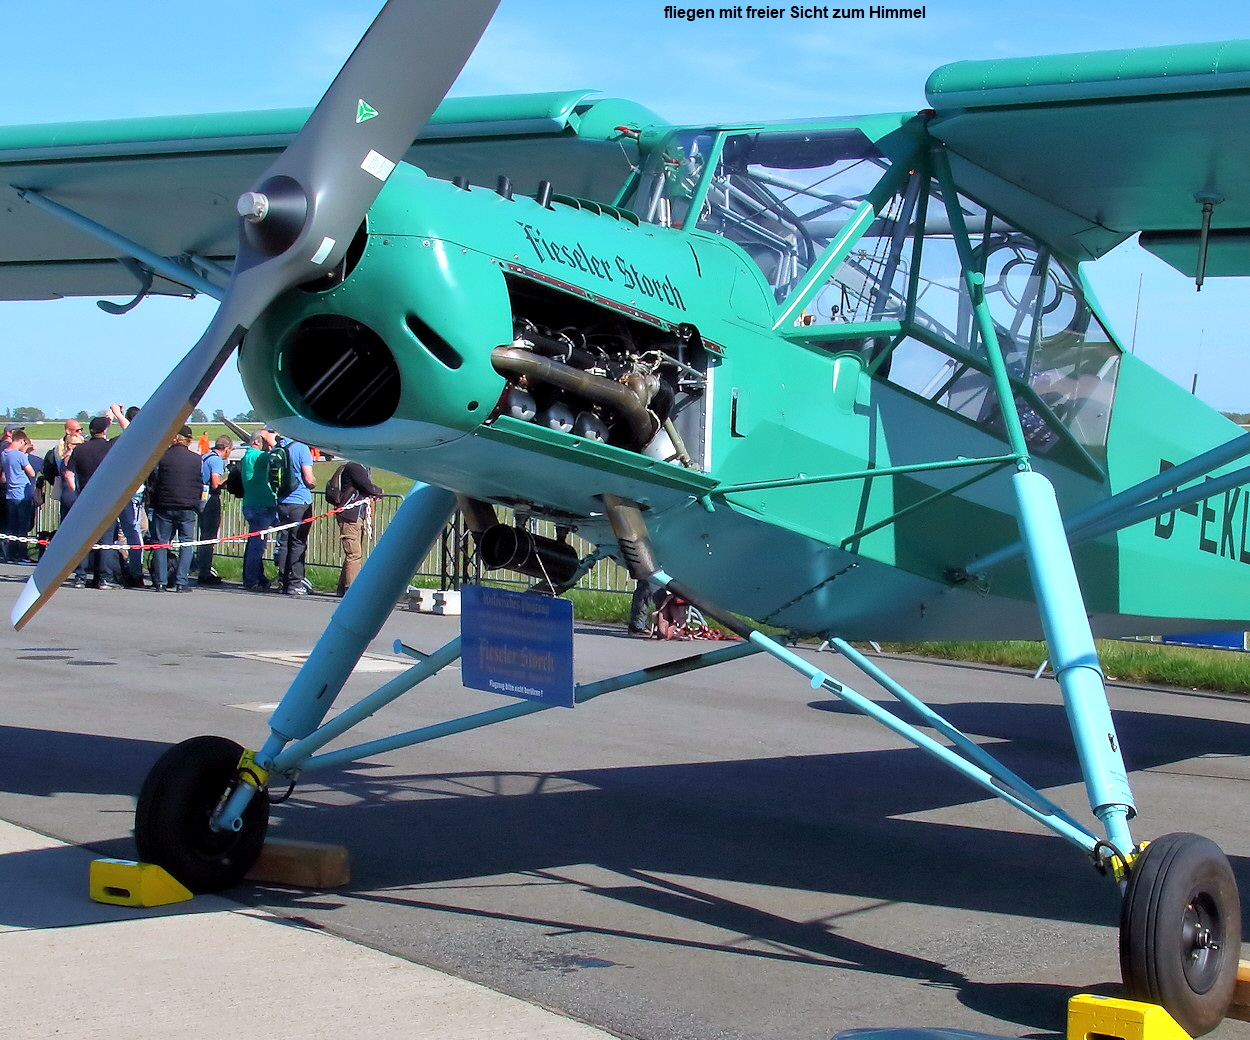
(648,825)
(818,823)
(45,762)
(769,820)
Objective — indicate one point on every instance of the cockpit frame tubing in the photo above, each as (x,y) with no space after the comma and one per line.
(697,200)
(837,250)
(974,280)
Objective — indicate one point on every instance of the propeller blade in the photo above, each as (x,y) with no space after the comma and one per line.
(300,217)
(297,223)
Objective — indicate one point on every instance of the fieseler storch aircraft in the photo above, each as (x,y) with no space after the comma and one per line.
(841,377)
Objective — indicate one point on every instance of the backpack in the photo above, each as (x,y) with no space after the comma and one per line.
(49,469)
(233,484)
(334,489)
(281,474)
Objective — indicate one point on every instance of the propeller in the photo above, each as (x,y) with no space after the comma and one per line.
(295,224)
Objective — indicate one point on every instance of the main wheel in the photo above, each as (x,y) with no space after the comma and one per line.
(172,817)
(1180,930)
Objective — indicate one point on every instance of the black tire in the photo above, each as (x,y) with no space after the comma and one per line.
(171,820)
(1180,930)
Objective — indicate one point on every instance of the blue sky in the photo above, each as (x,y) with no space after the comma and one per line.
(64,60)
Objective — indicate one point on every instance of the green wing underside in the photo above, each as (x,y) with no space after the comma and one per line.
(1084,150)
(170,183)
(1089,149)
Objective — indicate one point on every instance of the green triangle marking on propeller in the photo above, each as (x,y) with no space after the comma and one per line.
(364,111)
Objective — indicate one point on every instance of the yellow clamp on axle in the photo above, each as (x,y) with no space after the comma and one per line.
(250,772)
(1122,866)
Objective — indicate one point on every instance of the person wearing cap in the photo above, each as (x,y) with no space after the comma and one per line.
(98,567)
(174,489)
(260,506)
(213,476)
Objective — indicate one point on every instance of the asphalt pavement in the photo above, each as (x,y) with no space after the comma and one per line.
(725,854)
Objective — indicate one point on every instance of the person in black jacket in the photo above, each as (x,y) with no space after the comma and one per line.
(174,491)
(356,492)
(99,567)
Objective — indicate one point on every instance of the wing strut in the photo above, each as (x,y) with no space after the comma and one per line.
(966,757)
(162,265)
(1133,505)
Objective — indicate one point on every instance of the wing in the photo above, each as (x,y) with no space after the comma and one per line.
(1088,149)
(192,170)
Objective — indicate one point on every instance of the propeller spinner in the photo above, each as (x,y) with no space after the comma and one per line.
(295,225)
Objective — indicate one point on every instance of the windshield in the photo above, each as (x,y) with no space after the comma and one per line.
(784,195)
(670,178)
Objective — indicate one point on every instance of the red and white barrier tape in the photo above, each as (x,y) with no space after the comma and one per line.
(190,545)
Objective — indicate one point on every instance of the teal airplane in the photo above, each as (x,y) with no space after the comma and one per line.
(841,378)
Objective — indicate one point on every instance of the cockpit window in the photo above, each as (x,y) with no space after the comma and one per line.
(1056,350)
(670,178)
(784,195)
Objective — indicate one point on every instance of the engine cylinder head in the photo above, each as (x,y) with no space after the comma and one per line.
(557,416)
(591,427)
(520,404)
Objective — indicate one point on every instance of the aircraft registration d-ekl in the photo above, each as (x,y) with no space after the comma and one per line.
(843,377)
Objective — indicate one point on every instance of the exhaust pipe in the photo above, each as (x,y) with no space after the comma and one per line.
(515,549)
(514,361)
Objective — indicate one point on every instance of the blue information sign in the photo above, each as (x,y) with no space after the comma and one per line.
(517,643)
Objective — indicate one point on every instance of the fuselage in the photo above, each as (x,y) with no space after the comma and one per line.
(754,323)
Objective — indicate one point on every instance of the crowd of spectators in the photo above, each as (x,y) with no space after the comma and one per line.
(179,505)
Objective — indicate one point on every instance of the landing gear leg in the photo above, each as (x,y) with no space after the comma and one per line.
(1180,922)
(204,807)
(1180,926)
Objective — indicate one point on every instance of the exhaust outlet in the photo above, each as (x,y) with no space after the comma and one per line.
(511,548)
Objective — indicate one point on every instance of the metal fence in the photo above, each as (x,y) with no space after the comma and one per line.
(452,562)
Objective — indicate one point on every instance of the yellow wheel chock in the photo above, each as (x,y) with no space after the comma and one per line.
(125,882)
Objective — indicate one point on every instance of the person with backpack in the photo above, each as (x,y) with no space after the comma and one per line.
(351,490)
(291,473)
(260,505)
(212,477)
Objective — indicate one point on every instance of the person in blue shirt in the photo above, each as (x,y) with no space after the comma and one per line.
(19,481)
(212,476)
(295,508)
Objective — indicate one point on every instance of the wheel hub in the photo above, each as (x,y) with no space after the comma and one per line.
(1201,942)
